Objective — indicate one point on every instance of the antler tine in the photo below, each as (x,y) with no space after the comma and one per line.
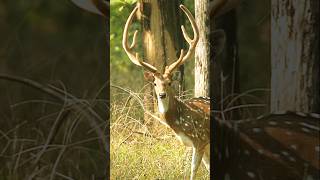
(192,42)
(170,69)
(134,57)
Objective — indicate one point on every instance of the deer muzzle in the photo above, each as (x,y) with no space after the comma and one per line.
(162,95)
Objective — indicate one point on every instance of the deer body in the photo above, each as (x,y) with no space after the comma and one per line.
(192,128)
(190,124)
(276,147)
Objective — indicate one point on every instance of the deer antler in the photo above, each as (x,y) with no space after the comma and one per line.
(134,57)
(192,42)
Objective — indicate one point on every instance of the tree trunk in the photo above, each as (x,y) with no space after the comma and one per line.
(202,52)
(162,39)
(295,56)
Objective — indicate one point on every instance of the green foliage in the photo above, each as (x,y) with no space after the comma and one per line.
(120,64)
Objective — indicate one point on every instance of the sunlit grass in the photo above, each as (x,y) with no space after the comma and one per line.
(145,150)
(136,156)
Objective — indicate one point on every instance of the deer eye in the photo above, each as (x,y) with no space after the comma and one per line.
(154,84)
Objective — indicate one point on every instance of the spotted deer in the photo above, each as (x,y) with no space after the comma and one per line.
(190,123)
(283,145)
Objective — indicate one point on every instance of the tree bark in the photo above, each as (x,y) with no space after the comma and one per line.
(162,39)
(295,56)
(202,52)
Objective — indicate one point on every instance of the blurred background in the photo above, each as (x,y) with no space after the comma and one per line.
(52,46)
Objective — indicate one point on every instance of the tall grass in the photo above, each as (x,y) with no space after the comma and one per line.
(66,141)
(144,150)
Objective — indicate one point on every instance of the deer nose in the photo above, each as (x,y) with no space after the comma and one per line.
(162,95)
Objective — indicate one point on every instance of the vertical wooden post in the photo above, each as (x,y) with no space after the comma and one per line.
(295,56)
(202,52)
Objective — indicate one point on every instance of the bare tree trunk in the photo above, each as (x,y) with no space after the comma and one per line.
(295,56)
(162,38)
(202,52)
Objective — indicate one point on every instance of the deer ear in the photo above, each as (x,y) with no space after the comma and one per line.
(148,76)
(219,40)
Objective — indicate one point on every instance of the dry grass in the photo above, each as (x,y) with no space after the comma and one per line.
(65,141)
(145,150)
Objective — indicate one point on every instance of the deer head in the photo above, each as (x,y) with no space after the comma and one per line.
(162,81)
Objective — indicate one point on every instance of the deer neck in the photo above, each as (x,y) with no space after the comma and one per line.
(170,113)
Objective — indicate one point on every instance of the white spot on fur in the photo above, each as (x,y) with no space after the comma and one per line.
(260,117)
(292,159)
(261,151)
(315,115)
(288,122)
(310,126)
(251,174)
(272,123)
(293,146)
(256,130)
(305,130)
(285,153)
(301,114)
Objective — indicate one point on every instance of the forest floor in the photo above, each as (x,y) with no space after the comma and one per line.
(138,156)
(146,150)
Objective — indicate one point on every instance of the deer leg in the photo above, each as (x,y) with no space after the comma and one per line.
(206,157)
(196,160)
